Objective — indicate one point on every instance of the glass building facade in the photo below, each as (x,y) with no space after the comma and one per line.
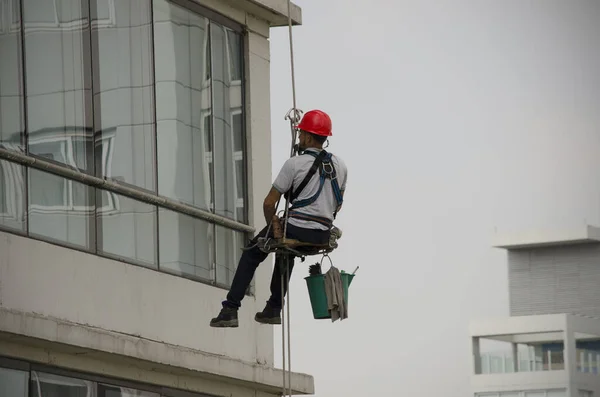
(148,94)
(21,379)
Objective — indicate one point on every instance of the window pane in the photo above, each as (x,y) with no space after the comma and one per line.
(235,55)
(47,385)
(12,196)
(117,391)
(13,383)
(126,228)
(183,104)
(229,250)
(227,116)
(40,12)
(123,104)
(68,12)
(11,85)
(58,78)
(60,209)
(103,12)
(238,132)
(186,245)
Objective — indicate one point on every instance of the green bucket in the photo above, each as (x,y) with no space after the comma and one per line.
(318,298)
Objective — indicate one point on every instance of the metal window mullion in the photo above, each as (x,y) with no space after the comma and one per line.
(90,144)
(212,149)
(25,136)
(155,131)
(97,168)
(245,145)
(246,161)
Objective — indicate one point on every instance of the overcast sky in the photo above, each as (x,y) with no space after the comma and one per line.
(456,119)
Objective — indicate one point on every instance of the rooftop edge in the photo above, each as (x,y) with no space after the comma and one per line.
(585,234)
(273,11)
(202,364)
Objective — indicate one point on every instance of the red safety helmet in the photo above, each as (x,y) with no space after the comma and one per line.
(316,122)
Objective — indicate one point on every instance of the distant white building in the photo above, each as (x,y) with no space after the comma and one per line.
(550,346)
(107,290)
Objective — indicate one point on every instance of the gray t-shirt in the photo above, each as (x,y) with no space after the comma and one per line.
(293,172)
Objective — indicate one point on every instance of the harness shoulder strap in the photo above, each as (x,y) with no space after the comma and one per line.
(313,169)
(337,192)
(326,171)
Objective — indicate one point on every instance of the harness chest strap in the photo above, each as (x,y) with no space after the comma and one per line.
(315,165)
(324,164)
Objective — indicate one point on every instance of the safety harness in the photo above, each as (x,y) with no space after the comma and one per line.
(324,164)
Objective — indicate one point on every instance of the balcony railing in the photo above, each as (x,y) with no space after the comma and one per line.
(527,361)
(588,361)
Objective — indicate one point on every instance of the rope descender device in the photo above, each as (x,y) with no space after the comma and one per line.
(294,116)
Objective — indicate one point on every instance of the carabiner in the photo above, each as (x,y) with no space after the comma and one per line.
(325,169)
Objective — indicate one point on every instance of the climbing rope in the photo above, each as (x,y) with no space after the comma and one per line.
(289,5)
(294,117)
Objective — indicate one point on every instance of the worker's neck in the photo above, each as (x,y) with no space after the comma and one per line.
(314,148)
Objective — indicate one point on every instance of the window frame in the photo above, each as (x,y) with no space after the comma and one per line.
(74,25)
(66,150)
(211,15)
(10,16)
(9,176)
(96,379)
(92,178)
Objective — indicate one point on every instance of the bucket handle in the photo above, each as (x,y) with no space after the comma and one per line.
(326,255)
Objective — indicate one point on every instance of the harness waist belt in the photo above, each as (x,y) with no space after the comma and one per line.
(313,218)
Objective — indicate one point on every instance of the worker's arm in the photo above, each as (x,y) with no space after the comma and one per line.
(343,186)
(283,183)
(270,204)
(339,208)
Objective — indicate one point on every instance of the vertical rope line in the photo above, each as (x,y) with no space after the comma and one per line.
(294,116)
(289,4)
(289,352)
(278,263)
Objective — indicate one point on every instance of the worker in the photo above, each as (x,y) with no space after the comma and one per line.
(310,219)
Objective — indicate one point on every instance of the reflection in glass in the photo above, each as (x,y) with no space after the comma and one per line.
(12,196)
(58,78)
(117,391)
(229,162)
(47,385)
(60,209)
(11,85)
(183,104)
(126,228)
(123,104)
(229,250)
(13,383)
(186,245)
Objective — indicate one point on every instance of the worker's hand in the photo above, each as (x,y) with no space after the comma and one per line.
(276,226)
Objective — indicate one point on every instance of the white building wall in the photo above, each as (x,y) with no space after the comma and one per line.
(112,295)
(42,278)
(38,278)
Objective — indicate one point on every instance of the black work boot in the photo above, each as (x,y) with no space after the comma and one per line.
(228,317)
(269,315)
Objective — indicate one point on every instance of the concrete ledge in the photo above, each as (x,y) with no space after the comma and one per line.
(80,339)
(518,325)
(584,234)
(273,11)
(516,328)
(523,381)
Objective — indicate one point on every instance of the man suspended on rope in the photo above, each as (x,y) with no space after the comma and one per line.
(313,209)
